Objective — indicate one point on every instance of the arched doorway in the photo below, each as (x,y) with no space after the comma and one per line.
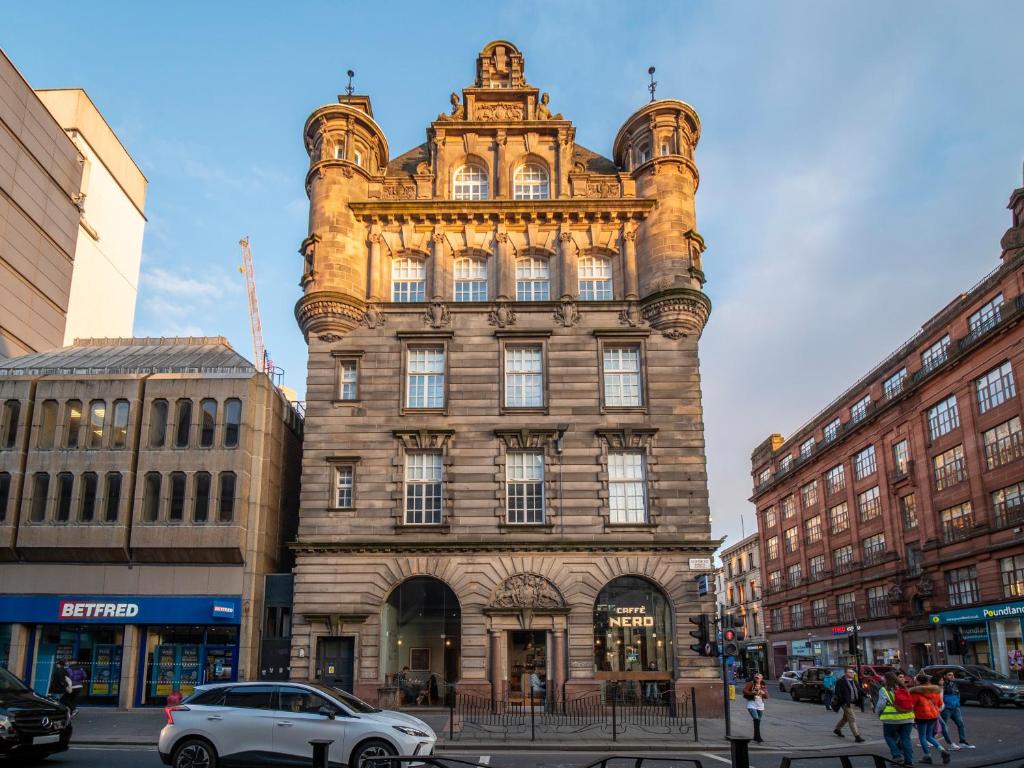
(633,637)
(421,640)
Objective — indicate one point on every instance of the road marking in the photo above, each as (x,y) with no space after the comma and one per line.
(721,759)
(485,759)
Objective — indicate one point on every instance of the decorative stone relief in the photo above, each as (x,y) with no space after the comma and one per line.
(373,317)
(527,590)
(322,311)
(567,313)
(423,439)
(628,437)
(630,315)
(502,315)
(677,313)
(437,315)
(925,587)
(500,112)
(330,338)
(603,189)
(896,594)
(521,439)
(543,111)
(399,192)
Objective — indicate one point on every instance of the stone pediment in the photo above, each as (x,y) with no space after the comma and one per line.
(527,591)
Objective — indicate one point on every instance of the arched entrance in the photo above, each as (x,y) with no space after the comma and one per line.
(421,640)
(633,637)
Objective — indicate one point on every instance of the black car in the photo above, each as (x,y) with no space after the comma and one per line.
(810,686)
(981,684)
(30,726)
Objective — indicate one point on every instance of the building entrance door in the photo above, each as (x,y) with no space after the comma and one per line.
(527,655)
(335,661)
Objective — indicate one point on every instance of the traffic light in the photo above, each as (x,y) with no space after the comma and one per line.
(852,640)
(703,645)
(729,645)
(959,644)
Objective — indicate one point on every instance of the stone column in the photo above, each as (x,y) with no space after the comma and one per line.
(438,259)
(132,646)
(498,175)
(375,265)
(558,660)
(569,281)
(494,661)
(18,654)
(506,271)
(629,262)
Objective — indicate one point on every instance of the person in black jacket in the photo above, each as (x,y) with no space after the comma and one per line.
(60,683)
(848,695)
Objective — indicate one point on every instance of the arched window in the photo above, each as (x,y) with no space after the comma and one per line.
(470,279)
(643,153)
(151,497)
(408,280)
(12,410)
(533,279)
(530,182)
(97,423)
(633,629)
(421,632)
(595,279)
(72,423)
(48,425)
(183,423)
(208,422)
(232,421)
(158,424)
(119,437)
(469,183)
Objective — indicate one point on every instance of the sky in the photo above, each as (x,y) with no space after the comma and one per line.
(856,158)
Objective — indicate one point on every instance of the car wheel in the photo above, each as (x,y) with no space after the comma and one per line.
(988,699)
(793,695)
(194,753)
(369,754)
(782,688)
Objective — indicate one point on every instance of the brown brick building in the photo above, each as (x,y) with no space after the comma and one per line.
(147,487)
(503,466)
(901,504)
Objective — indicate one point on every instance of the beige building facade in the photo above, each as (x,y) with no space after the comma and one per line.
(147,487)
(503,466)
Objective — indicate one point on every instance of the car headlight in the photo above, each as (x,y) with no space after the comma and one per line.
(1006,686)
(409,731)
(6,726)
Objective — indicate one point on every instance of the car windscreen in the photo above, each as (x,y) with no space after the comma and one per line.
(985,673)
(352,702)
(10,684)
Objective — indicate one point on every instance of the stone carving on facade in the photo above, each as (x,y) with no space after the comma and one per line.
(630,315)
(567,313)
(628,437)
(896,594)
(678,312)
(332,310)
(399,191)
(437,315)
(522,439)
(527,590)
(373,317)
(603,189)
(502,315)
(925,587)
(330,338)
(544,111)
(458,110)
(499,112)
(423,439)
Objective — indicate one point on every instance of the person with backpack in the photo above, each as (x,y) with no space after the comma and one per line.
(78,677)
(756,693)
(829,681)
(847,696)
(927,703)
(951,708)
(60,683)
(895,708)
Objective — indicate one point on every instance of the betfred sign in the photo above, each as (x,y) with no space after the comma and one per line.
(88,609)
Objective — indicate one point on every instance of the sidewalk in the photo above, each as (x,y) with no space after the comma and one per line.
(788,726)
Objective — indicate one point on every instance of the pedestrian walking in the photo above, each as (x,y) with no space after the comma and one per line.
(847,697)
(927,703)
(756,693)
(951,709)
(829,681)
(77,676)
(895,708)
(60,684)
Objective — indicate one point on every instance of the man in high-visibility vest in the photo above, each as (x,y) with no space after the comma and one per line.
(897,722)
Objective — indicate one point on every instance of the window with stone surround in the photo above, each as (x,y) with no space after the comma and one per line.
(182,423)
(878,602)
(97,423)
(835,480)
(112,497)
(530,182)
(1008,505)
(470,279)
(842,558)
(40,497)
(776,615)
(864,463)
(901,457)
(344,485)
(792,538)
(524,376)
(232,422)
(176,506)
(348,378)
(533,279)
(226,497)
(819,611)
(408,280)
(869,504)
(47,425)
(962,586)
(788,505)
(846,606)
(995,387)
(425,377)
(627,487)
(874,548)
(772,545)
(65,488)
(207,422)
(771,519)
(785,463)
(893,385)
(908,511)
(859,410)
(423,486)
(201,501)
(957,522)
(831,430)
(87,503)
(816,566)
(796,615)
(838,518)
(9,424)
(524,487)
(794,574)
(1011,572)
(151,497)
(595,278)
(72,423)
(812,529)
(943,417)
(807,448)
(1003,443)
(775,580)
(469,182)
(621,373)
(809,494)
(119,434)
(158,424)
(949,468)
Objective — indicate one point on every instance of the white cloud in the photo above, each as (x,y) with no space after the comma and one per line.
(167,283)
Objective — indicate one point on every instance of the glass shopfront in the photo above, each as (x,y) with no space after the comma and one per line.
(5,644)
(96,651)
(421,642)
(178,658)
(632,628)
(992,633)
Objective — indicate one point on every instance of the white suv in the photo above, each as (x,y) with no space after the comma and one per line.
(242,724)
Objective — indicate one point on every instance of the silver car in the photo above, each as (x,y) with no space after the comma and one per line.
(788,680)
(249,724)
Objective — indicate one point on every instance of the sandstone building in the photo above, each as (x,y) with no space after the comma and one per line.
(147,488)
(503,465)
(738,588)
(899,506)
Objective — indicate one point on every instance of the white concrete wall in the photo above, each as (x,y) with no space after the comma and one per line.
(105,281)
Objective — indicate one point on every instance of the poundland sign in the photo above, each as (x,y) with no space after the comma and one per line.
(980,614)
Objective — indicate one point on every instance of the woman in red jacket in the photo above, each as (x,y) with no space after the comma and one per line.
(927,705)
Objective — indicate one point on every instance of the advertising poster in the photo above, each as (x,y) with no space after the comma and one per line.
(165,665)
(106,670)
(188,677)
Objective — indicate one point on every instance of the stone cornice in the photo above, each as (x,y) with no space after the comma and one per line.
(677,312)
(560,210)
(516,545)
(328,311)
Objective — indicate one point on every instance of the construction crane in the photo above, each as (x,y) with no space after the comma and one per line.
(258,349)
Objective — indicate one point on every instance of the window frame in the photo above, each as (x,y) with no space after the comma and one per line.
(527,494)
(531,280)
(471,188)
(510,342)
(835,479)
(607,343)
(158,423)
(40,505)
(119,431)
(865,462)
(196,478)
(984,387)
(221,478)
(108,478)
(412,291)
(176,497)
(642,482)
(935,354)
(337,468)
(97,417)
(593,281)
(49,420)
(943,417)
(474,281)
(426,343)
(73,424)
(520,187)
(87,500)
(406,482)
(208,422)
(10,424)
(341,362)
(230,426)
(151,497)
(859,410)
(183,406)
(869,504)
(65,497)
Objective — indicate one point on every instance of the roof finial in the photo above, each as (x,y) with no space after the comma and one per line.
(654,85)
(349,89)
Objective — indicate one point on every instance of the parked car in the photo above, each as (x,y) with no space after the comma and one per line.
(872,678)
(242,724)
(981,684)
(788,678)
(31,727)
(810,686)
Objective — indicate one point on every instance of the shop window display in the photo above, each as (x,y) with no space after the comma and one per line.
(421,641)
(97,651)
(178,658)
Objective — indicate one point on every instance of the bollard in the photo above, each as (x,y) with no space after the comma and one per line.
(740,752)
(320,748)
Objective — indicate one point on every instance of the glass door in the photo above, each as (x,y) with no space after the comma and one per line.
(220,665)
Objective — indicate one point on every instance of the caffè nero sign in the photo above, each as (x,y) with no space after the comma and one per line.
(630,616)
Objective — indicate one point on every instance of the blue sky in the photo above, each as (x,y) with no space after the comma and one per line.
(855,163)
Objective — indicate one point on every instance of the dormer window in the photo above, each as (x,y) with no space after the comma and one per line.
(530,183)
(469,183)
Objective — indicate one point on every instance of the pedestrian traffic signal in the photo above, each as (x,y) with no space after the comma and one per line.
(959,644)
(729,645)
(703,645)
(852,645)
